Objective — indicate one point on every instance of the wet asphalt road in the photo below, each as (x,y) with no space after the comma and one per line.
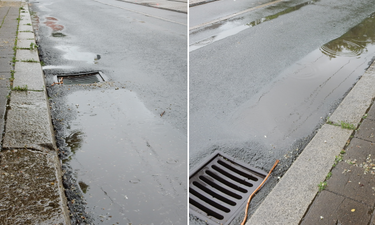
(261,83)
(125,160)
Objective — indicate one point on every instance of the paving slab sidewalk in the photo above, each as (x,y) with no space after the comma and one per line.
(31,190)
(333,179)
(349,194)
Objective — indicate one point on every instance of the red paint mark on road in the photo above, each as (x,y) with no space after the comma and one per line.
(51,18)
(51,22)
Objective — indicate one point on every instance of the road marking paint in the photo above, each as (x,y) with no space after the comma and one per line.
(233,15)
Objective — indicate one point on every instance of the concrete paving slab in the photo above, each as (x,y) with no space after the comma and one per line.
(288,201)
(4,83)
(29,74)
(27,55)
(359,150)
(350,181)
(24,43)
(25,21)
(366,131)
(28,122)
(348,217)
(371,113)
(4,91)
(7,3)
(334,209)
(25,16)
(356,103)
(25,36)
(6,41)
(5,65)
(7,51)
(23,25)
(32,192)
(4,76)
(10,29)
(324,211)
(10,23)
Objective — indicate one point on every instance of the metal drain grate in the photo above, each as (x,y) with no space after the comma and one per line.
(81,78)
(220,187)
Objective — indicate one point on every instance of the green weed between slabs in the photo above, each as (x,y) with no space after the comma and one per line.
(348,126)
(29,61)
(42,63)
(337,160)
(343,125)
(322,186)
(329,175)
(18,88)
(33,46)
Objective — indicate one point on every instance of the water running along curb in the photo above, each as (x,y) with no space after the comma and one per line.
(31,188)
(296,190)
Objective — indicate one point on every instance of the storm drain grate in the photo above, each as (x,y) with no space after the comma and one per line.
(220,187)
(81,78)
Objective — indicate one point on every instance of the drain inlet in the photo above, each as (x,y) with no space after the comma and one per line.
(220,187)
(81,78)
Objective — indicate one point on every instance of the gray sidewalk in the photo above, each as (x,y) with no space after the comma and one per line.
(9,12)
(31,190)
(349,189)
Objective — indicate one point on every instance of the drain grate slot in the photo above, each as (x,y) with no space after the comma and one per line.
(220,187)
(81,78)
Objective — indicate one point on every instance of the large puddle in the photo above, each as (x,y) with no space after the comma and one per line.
(233,26)
(129,164)
(284,109)
(74,53)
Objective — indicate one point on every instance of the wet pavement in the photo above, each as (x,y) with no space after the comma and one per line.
(217,28)
(31,189)
(259,113)
(122,141)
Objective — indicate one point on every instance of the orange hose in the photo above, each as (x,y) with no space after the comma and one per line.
(252,194)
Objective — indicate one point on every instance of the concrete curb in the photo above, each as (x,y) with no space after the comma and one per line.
(30,168)
(291,197)
(199,2)
(176,7)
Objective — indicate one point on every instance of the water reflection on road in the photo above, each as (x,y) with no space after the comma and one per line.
(131,166)
(291,105)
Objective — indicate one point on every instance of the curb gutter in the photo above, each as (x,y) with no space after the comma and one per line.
(31,190)
(292,196)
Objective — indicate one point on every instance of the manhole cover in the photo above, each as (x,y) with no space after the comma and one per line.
(81,78)
(220,187)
